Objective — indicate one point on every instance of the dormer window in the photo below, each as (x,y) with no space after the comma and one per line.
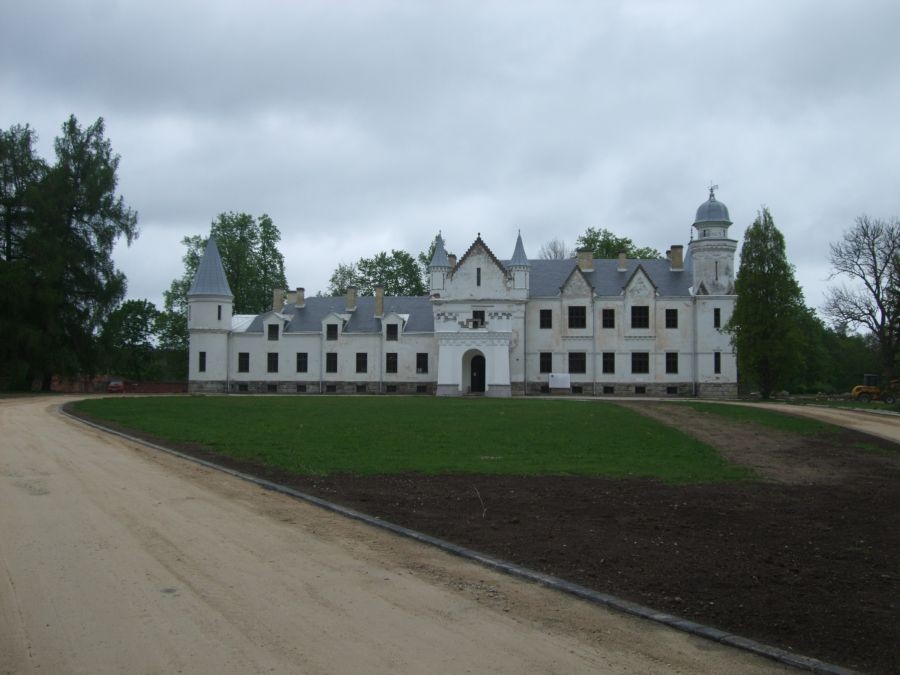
(273,331)
(393,331)
(331,331)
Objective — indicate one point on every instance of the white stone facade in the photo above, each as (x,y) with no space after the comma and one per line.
(491,327)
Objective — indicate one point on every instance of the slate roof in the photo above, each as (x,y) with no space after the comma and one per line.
(210,278)
(362,320)
(547,276)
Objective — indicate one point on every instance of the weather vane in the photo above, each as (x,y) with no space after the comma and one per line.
(712,189)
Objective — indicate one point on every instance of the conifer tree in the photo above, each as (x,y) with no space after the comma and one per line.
(765,326)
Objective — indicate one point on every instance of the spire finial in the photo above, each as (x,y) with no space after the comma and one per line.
(712,189)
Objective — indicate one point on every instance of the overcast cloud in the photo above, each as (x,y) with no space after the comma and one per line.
(366,126)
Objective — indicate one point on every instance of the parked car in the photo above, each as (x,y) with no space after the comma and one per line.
(115,387)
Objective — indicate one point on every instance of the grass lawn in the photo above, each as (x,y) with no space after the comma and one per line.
(769,418)
(386,435)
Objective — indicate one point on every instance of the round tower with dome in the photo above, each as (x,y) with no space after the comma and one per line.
(711,251)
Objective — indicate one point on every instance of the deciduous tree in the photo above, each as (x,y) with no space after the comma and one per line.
(555,249)
(766,324)
(869,256)
(605,244)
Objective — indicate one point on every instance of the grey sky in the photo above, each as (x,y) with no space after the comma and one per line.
(366,126)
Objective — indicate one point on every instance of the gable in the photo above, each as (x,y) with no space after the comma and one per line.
(640,286)
(577,285)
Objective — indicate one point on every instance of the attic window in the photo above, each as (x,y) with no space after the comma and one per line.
(478,276)
(640,316)
(392,332)
(331,332)
(273,331)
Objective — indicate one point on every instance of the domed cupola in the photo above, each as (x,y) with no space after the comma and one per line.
(712,217)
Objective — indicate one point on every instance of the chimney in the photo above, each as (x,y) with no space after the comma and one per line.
(301,297)
(291,298)
(351,298)
(621,261)
(277,299)
(585,259)
(379,301)
(677,258)
(452,259)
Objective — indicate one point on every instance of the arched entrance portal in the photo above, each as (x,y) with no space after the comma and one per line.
(477,377)
(474,372)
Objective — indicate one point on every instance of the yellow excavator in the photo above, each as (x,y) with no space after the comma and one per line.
(871,390)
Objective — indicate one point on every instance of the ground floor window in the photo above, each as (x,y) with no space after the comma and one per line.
(546,362)
(243,362)
(672,362)
(640,362)
(302,362)
(577,362)
(331,362)
(272,362)
(609,362)
(202,364)
(421,363)
(362,362)
(717,362)
(390,362)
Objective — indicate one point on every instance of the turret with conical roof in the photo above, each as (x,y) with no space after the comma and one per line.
(440,264)
(519,265)
(210,304)
(712,252)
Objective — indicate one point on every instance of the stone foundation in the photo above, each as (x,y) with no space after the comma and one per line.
(316,387)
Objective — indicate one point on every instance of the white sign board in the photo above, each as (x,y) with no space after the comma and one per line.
(560,381)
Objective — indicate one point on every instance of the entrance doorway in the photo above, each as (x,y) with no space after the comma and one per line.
(477,377)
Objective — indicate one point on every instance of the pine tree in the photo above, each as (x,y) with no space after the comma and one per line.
(765,326)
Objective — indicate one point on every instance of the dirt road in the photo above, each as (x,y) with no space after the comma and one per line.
(881,425)
(116,558)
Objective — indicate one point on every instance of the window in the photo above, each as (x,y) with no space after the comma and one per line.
(640,316)
(577,362)
(362,362)
(578,316)
(219,312)
(202,364)
(392,389)
(477,318)
(272,388)
(640,389)
(609,318)
(272,362)
(607,389)
(546,318)
(717,318)
(243,387)
(330,388)
(546,362)
(302,362)
(671,318)
(421,388)
(390,362)
(273,331)
(609,362)
(360,389)
(331,331)
(672,362)
(421,363)
(243,362)
(640,362)
(392,332)
(478,276)
(331,363)
(301,388)
(671,390)
(717,362)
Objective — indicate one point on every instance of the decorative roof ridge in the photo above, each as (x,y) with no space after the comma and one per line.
(479,242)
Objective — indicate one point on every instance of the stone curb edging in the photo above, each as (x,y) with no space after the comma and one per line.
(604,599)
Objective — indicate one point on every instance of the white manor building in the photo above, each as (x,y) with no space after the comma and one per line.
(489,326)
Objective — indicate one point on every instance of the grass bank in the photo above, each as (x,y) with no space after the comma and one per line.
(388,435)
